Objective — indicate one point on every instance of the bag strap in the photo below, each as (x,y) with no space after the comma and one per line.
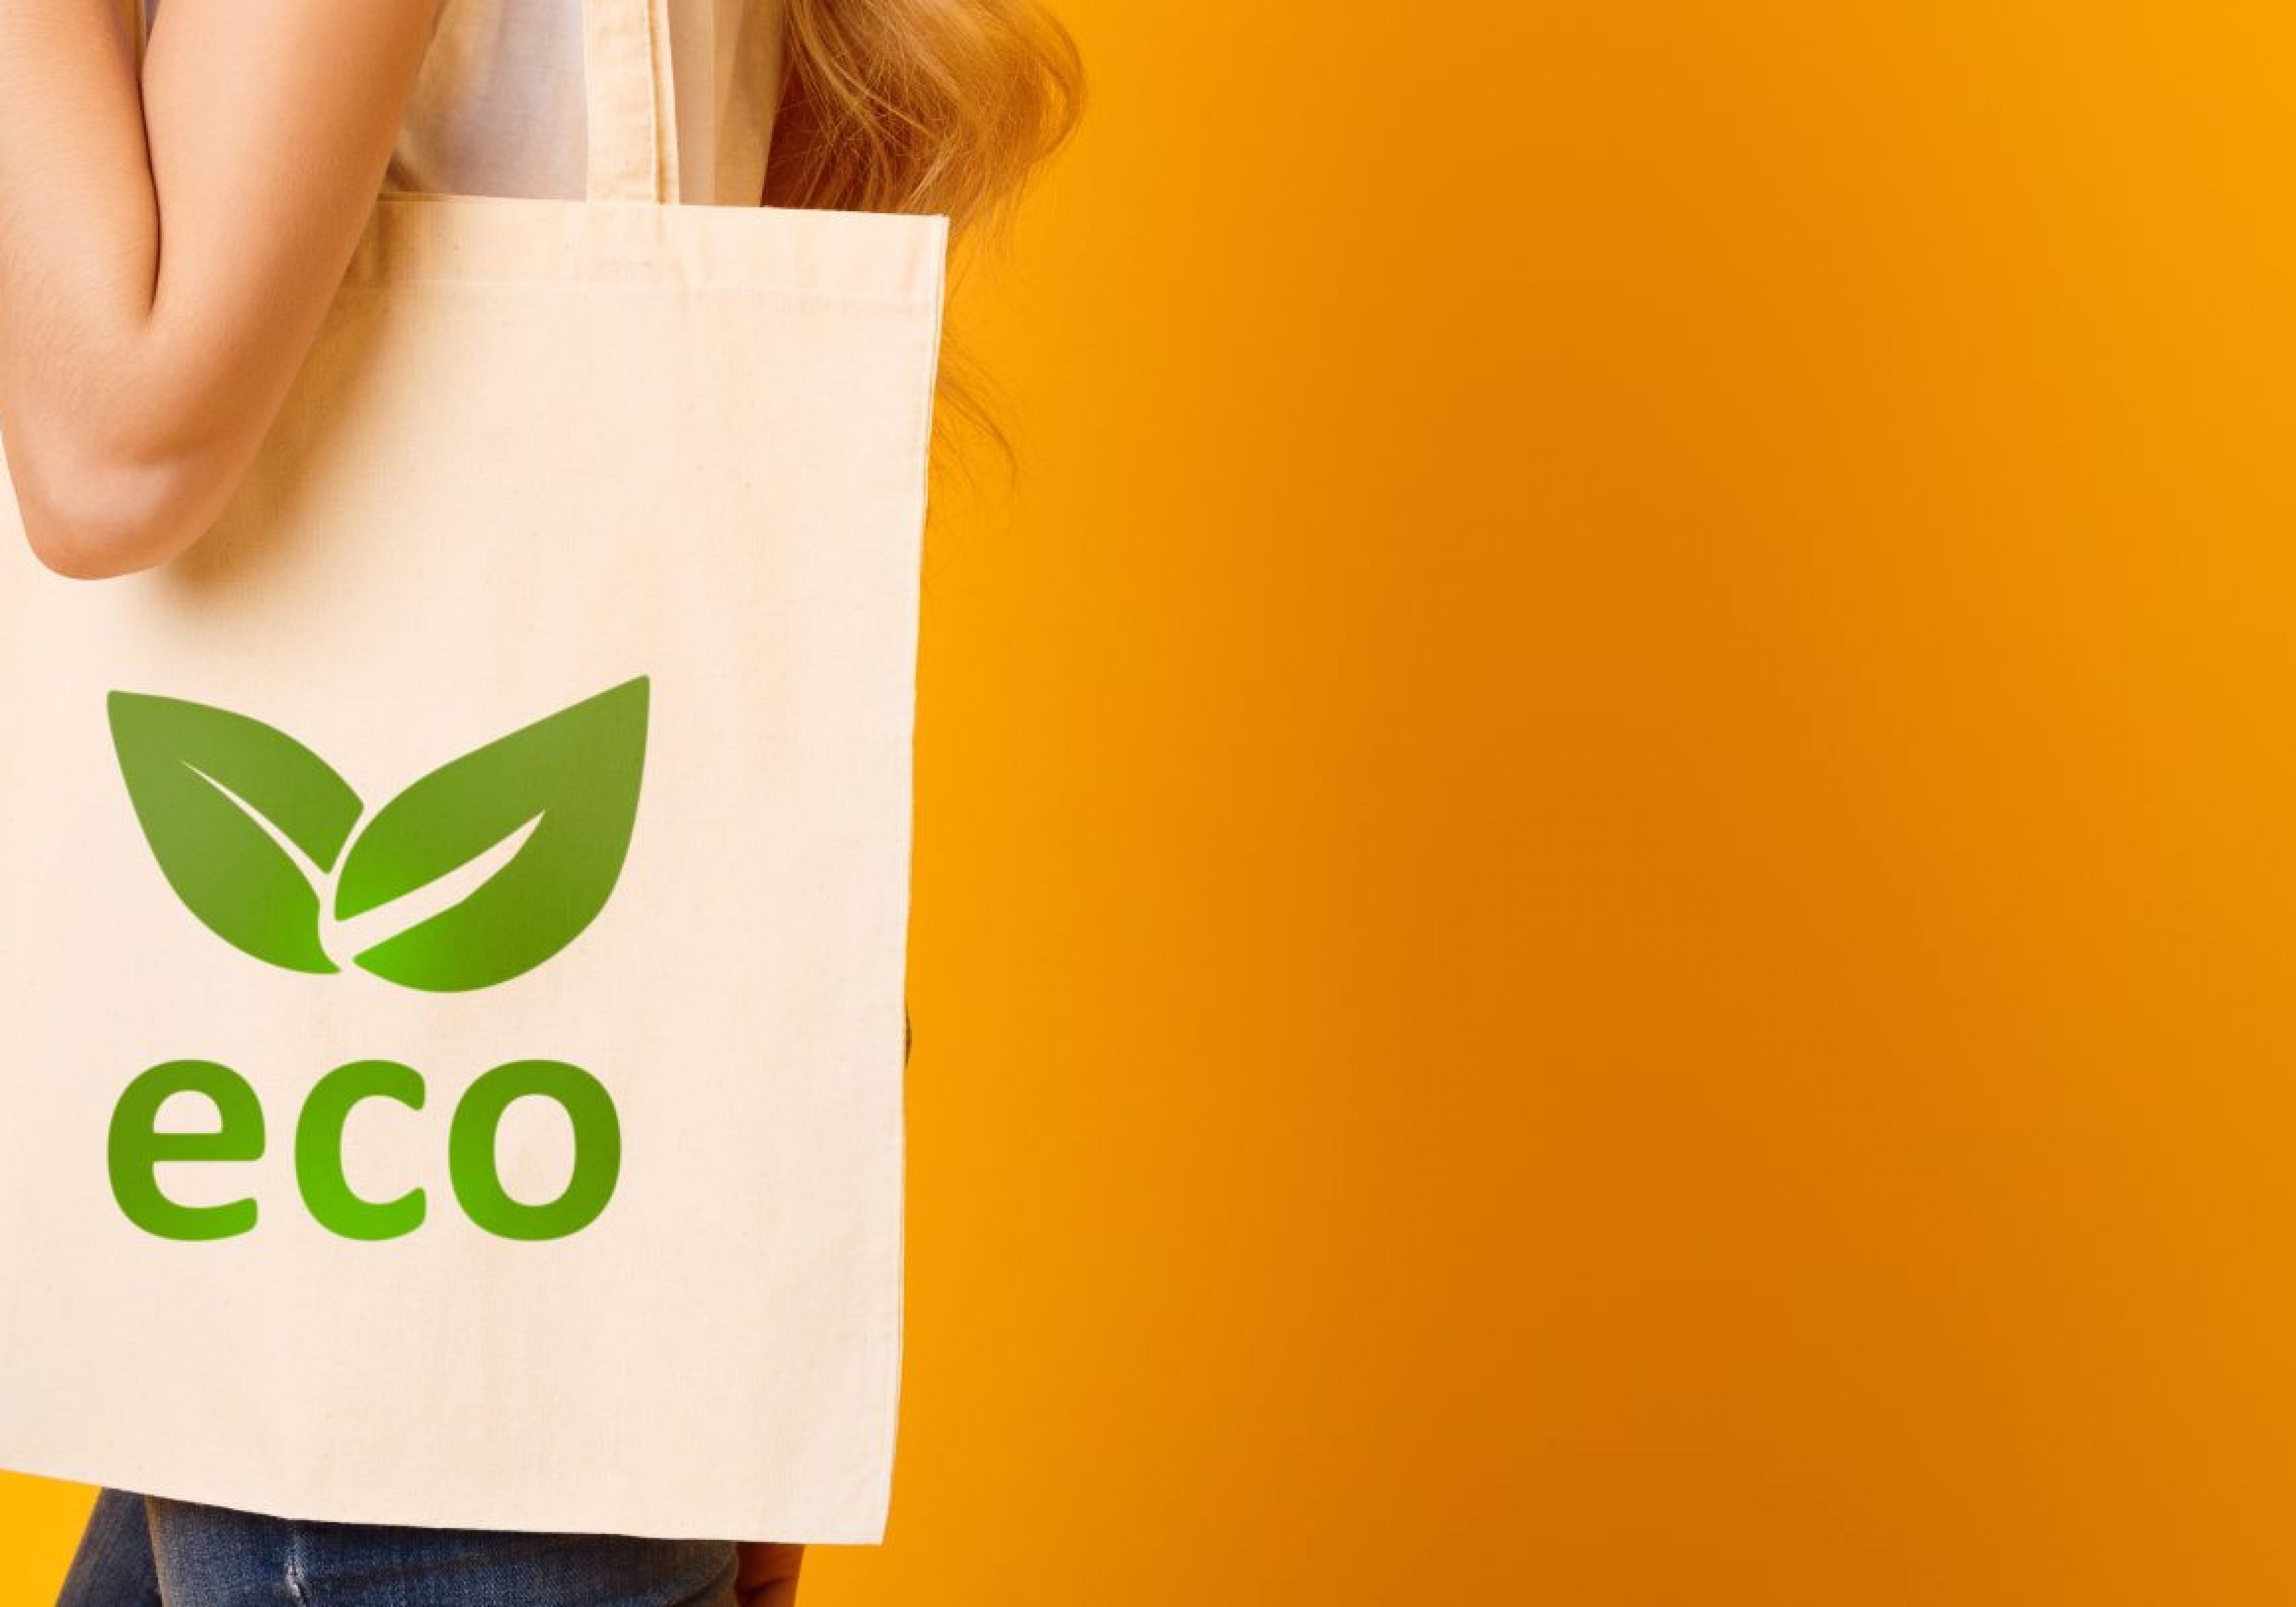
(632,101)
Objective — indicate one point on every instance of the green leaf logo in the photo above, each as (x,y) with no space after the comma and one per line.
(266,845)
(240,816)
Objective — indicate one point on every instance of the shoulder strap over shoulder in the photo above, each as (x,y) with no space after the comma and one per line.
(632,101)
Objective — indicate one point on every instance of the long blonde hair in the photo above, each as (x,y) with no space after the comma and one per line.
(938,106)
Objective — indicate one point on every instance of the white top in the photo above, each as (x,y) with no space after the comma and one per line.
(497,106)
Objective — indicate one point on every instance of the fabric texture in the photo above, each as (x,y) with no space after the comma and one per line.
(138,1552)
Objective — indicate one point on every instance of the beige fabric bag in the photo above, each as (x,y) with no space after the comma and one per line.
(544,700)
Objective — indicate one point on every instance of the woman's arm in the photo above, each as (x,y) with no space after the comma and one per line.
(167,256)
(766,1575)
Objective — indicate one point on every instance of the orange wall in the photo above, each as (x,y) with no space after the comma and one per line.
(1605,881)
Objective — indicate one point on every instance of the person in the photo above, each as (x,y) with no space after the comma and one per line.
(179,198)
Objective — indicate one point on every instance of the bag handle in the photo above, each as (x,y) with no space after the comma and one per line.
(632,101)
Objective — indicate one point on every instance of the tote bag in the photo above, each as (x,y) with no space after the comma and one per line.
(451,919)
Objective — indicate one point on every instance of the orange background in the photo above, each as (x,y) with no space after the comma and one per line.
(1604,889)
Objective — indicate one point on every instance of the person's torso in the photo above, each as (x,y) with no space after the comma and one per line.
(497,107)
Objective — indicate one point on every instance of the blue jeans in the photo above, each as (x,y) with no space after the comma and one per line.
(141,1551)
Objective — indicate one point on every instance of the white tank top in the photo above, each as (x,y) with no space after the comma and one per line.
(497,106)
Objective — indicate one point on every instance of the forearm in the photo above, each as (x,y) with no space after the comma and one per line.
(79,238)
(169,248)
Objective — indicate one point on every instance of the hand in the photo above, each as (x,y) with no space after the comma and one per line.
(766,1574)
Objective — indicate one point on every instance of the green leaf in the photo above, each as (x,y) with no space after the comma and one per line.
(244,820)
(575,776)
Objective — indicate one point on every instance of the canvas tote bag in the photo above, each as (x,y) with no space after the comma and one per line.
(451,919)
